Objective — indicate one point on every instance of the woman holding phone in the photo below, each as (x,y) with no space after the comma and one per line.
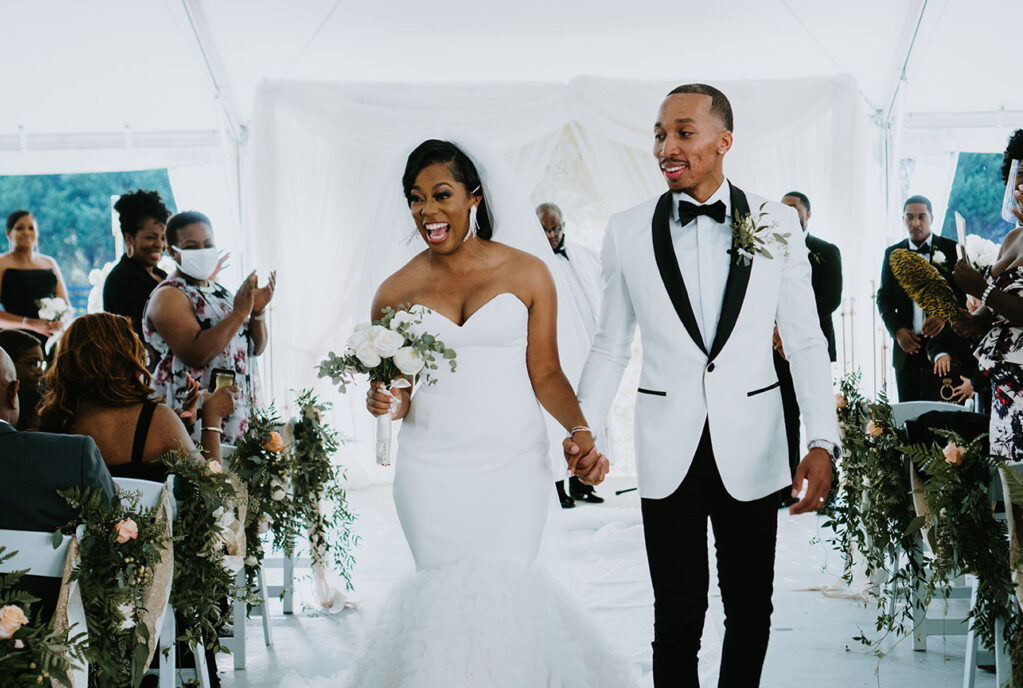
(199,329)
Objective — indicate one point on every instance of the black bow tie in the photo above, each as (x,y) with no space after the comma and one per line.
(687,212)
(925,249)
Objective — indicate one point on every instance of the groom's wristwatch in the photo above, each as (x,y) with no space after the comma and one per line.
(833,450)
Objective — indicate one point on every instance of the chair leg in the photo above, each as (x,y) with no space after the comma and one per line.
(970,663)
(289,584)
(240,612)
(168,649)
(202,670)
(1003,666)
(919,608)
(267,634)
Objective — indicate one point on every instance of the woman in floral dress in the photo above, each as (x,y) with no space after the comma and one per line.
(197,326)
(1000,323)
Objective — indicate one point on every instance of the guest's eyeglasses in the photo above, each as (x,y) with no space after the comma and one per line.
(553,230)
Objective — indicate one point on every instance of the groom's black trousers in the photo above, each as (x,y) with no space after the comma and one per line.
(676,541)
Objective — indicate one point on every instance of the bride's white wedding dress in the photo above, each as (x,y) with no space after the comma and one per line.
(473,489)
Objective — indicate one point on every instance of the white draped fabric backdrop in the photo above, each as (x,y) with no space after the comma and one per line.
(318,153)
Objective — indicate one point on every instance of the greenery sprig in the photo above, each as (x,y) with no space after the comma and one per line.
(202,578)
(751,235)
(317,480)
(31,652)
(119,551)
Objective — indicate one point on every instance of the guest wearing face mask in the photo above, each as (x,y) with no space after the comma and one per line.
(199,329)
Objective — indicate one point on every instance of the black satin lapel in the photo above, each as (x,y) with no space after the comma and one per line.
(671,274)
(738,279)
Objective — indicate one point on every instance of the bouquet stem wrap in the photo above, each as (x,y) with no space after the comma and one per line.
(384,427)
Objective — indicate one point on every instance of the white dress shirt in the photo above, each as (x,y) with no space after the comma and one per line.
(702,248)
(918,313)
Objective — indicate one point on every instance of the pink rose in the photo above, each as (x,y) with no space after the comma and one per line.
(953,454)
(840,401)
(126,530)
(215,466)
(874,429)
(11,619)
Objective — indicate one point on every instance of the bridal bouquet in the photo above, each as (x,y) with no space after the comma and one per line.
(392,351)
(980,251)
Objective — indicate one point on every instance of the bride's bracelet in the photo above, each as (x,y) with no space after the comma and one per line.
(580,428)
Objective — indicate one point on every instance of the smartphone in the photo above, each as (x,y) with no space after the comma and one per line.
(221,377)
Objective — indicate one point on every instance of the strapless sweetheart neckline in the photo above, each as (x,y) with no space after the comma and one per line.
(472,315)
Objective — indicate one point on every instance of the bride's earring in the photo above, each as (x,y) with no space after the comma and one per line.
(474,224)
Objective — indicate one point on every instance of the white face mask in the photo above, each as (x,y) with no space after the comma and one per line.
(198,263)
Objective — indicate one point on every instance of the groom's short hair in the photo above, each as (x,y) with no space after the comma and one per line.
(719,104)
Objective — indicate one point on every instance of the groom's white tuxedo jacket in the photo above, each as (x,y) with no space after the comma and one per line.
(726,377)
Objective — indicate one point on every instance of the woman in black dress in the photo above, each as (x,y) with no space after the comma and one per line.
(25,277)
(143,218)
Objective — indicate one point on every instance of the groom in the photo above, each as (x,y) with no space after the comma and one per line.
(710,432)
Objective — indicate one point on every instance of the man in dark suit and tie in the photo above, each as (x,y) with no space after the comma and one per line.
(33,466)
(922,343)
(826,278)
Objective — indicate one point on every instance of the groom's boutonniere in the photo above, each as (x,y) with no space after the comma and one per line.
(940,259)
(753,236)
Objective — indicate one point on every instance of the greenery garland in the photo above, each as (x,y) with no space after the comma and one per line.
(263,462)
(118,552)
(315,479)
(202,579)
(31,652)
(874,509)
(964,534)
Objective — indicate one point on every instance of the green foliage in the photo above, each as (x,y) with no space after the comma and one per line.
(73,211)
(35,653)
(976,193)
(262,461)
(342,369)
(316,480)
(202,580)
(751,236)
(113,578)
(964,534)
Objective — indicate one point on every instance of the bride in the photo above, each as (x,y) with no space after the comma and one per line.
(472,480)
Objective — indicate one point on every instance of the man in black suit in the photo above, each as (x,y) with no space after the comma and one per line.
(922,344)
(34,465)
(826,278)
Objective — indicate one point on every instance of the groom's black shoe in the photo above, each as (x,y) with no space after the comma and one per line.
(583,492)
(566,501)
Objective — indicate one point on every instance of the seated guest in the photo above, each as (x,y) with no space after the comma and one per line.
(999,322)
(34,465)
(27,354)
(27,276)
(98,386)
(198,327)
(143,219)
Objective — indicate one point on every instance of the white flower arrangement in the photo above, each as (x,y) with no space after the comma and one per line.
(981,252)
(53,309)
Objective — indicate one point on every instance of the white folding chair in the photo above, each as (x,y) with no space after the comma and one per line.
(151,492)
(925,626)
(35,552)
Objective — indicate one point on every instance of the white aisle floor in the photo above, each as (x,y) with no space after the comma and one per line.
(605,564)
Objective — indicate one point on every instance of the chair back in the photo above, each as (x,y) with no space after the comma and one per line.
(35,552)
(150,489)
(911,410)
(1014,521)
(227,452)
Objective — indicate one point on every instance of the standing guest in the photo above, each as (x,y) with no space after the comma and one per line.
(580,269)
(27,276)
(197,326)
(27,354)
(999,321)
(34,465)
(919,354)
(826,278)
(98,386)
(143,219)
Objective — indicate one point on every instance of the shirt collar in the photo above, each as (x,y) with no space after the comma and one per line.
(927,243)
(722,194)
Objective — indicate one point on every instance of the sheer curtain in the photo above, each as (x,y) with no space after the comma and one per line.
(318,153)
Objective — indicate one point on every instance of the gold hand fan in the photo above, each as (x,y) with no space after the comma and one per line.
(924,284)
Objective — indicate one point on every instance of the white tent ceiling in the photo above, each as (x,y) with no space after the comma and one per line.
(113,66)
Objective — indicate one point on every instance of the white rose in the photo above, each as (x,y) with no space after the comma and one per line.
(367,354)
(402,318)
(47,313)
(127,611)
(386,341)
(408,361)
(264,524)
(940,257)
(278,495)
(364,327)
(357,339)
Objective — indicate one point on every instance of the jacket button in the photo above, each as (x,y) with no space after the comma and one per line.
(710,367)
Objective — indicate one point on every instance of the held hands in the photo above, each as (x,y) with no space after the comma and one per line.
(932,327)
(815,468)
(584,461)
(380,401)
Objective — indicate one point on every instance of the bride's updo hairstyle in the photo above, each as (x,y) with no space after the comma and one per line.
(434,151)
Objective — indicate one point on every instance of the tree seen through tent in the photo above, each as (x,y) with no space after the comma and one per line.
(74,216)
(976,193)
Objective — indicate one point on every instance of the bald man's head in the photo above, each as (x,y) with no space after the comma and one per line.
(9,409)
